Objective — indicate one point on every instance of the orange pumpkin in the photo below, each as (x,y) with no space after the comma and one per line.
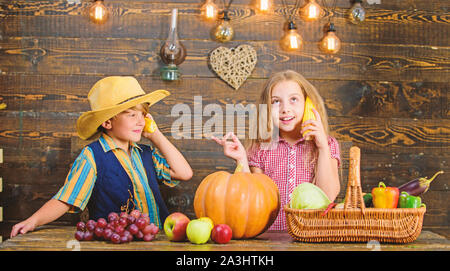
(247,202)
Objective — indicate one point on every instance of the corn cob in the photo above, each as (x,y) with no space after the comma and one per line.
(308,114)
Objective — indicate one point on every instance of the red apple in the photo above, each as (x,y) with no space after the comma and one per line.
(175,226)
(221,234)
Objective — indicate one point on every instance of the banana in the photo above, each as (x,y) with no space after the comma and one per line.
(308,114)
(150,125)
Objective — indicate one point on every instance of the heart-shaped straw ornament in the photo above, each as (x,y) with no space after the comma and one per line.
(233,65)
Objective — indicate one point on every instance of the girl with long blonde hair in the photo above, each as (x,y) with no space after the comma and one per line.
(280,150)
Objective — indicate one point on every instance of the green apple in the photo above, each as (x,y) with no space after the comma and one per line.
(198,231)
(207,219)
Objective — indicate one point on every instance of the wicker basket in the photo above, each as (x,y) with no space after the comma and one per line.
(355,223)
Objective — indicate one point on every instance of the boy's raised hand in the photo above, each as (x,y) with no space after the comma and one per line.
(150,127)
(232,149)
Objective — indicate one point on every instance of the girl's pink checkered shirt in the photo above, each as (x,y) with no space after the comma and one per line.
(288,167)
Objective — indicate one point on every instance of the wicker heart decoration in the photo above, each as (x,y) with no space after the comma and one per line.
(233,65)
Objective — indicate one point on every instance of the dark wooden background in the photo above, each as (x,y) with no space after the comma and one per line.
(386,91)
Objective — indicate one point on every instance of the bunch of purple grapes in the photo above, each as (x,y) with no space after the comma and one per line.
(118,229)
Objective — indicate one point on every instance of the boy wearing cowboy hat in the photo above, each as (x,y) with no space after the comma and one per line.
(114,170)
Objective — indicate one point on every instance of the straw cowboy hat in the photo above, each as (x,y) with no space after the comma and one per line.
(110,96)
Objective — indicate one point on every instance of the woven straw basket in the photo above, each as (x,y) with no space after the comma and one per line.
(355,223)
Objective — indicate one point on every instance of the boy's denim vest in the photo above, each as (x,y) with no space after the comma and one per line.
(111,187)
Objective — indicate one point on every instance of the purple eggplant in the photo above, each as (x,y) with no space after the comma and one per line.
(418,186)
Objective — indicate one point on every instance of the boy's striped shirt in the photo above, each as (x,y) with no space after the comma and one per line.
(80,181)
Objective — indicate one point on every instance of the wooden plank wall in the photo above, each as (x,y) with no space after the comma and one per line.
(386,91)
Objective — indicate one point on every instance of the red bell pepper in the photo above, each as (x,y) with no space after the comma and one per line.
(385,197)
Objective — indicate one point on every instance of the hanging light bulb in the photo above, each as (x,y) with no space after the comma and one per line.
(311,11)
(263,6)
(223,32)
(172,52)
(330,43)
(357,13)
(209,10)
(98,13)
(291,41)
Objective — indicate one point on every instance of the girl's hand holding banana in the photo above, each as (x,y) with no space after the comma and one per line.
(314,128)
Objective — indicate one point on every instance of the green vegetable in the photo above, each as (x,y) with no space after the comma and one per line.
(368,200)
(408,201)
(308,196)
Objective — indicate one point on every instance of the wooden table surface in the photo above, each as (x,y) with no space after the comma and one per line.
(57,238)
